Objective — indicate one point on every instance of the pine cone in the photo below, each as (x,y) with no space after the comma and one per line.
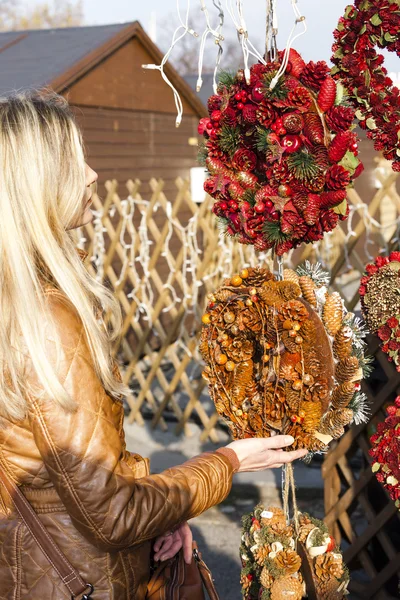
(229,116)
(289,342)
(290,275)
(293,122)
(300,201)
(327,94)
(333,198)
(330,589)
(314,74)
(315,184)
(278,516)
(307,289)
(333,313)
(288,560)
(305,530)
(313,128)
(266,579)
(214,103)
(249,113)
(265,114)
(258,276)
(339,118)
(335,419)
(261,554)
(299,98)
(340,144)
(292,398)
(348,370)
(328,565)
(311,212)
(343,343)
(342,394)
(329,220)
(293,311)
(312,364)
(286,587)
(312,418)
(337,178)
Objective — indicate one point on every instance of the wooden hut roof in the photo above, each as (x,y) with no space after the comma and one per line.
(57,58)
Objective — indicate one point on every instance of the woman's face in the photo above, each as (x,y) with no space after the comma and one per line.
(87,215)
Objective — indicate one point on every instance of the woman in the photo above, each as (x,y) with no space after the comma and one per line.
(61,415)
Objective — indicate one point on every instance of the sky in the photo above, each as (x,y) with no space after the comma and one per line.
(321,17)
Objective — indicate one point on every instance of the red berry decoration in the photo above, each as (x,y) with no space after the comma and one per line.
(360,69)
(285,154)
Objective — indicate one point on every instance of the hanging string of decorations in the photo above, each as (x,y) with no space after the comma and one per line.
(366,25)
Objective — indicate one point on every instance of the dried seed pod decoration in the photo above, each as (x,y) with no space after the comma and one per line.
(308,288)
(333,313)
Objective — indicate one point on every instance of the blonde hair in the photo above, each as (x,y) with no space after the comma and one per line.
(42,189)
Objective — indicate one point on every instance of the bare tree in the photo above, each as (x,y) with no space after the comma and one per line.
(185,55)
(15,15)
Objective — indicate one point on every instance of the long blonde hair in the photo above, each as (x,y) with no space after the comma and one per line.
(42,187)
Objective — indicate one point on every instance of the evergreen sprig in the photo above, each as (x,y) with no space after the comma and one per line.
(361,407)
(226,78)
(279,92)
(273,233)
(202,154)
(314,272)
(261,138)
(303,166)
(229,139)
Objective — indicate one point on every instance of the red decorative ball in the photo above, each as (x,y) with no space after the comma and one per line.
(284,154)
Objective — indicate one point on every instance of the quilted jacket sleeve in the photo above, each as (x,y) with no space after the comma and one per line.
(87,463)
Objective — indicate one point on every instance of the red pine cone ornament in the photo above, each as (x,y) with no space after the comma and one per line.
(271,153)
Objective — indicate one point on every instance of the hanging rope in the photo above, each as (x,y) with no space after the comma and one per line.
(299,19)
(175,39)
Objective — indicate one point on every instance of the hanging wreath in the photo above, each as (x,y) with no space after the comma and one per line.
(386,452)
(380,303)
(367,24)
(283,356)
(278,175)
(278,563)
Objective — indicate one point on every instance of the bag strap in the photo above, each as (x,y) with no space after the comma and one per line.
(205,574)
(70,577)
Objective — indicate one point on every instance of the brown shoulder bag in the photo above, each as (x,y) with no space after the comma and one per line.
(173,579)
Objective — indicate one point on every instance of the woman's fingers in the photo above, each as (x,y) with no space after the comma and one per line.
(294,455)
(277,441)
(164,546)
(176,546)
(187,540)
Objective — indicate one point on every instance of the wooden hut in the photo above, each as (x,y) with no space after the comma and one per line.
(127,113)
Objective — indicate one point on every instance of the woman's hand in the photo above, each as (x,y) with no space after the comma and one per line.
(166,546)
(257,454)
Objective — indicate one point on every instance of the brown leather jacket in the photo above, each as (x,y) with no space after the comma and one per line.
(97,500)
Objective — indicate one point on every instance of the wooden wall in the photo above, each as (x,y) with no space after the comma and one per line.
(127,115)
(123,144)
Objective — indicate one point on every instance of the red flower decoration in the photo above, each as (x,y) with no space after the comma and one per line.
(385,452)
(359,67)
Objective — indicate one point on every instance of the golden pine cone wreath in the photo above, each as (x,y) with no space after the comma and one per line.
(283,357)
